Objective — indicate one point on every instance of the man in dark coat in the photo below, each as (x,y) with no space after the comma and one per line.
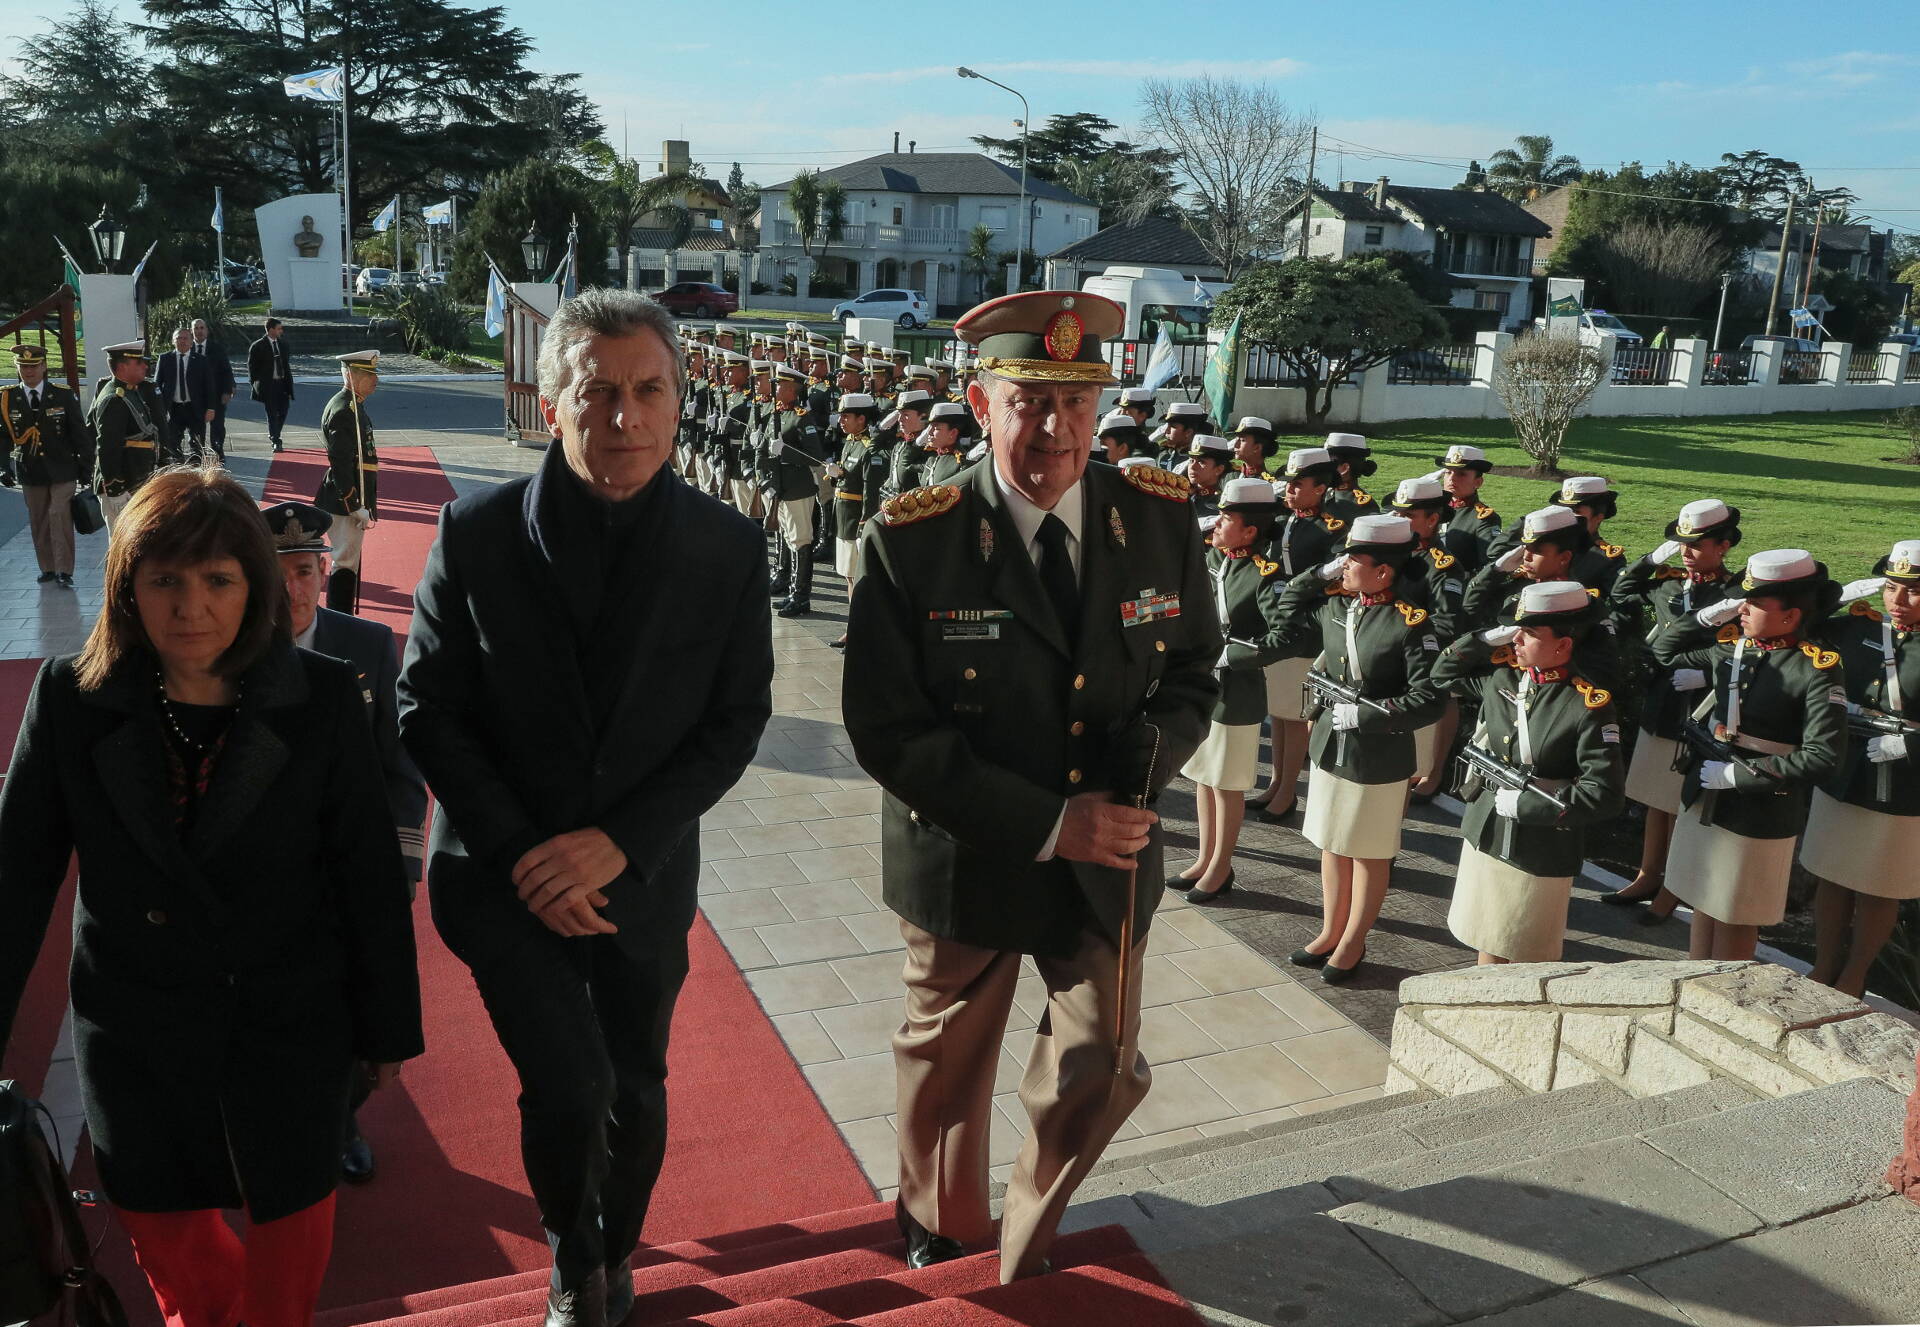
(220,374)
(351,489)
(46,447)
(270,378)
(588,672)
(129,425)
(185,383)
(1031,659)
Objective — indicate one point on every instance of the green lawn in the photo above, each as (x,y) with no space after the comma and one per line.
(1813,481)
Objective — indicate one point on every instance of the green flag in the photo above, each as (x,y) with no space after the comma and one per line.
(1221,373)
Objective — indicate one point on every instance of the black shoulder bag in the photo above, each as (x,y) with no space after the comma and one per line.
(46,1261)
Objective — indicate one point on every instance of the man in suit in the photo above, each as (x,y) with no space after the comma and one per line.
(299,535)
(1031,659)
(220,371)
(185,384)
(270,378)
(46,447)
(589,671)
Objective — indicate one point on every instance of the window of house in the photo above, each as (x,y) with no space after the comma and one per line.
(993,218)
(1497,300)
(1082,227)
(1375,234)
(899,215)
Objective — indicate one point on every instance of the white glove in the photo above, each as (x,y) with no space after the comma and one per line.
(1664,553)
(361,518)
(775,447)
(1498,636)
(1886,747)
(1331,571)
(1207,523)
(1346,717)
(1434,476)
(1506,802)
(1862,588)
(1714,615)
(1716,775)
(836,469)
(1510,559)
(1689,679)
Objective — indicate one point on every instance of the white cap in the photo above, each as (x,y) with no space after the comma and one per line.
(1253,422)
(1208,442)
(1581,487)
(360,361)
(1782,564)
(1418,490)
(1115,419)
(1552,597)
(1381,530)
(1544,521)
(760,365)
(1129,462)
(849,362)
(912,397)
(1353,442)
(919,373)
(1186,410)
(796,327)
(938,362)
(947,410)
(788,371)
(856,401)
(1246,492)
(1303,458)
(1461,454)
(1700,516)
(730,356)
(1136,396)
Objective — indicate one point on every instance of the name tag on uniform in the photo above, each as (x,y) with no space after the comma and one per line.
(965,624)
(952,631)
(1149,606)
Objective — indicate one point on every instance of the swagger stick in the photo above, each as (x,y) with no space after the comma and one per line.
(1125,983)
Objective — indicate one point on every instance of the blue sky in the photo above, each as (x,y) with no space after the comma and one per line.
(780,86)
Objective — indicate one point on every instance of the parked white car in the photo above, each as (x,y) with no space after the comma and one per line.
(372,280)
(908,308)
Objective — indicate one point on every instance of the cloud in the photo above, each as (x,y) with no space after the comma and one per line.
(1820,76)
(1090,69)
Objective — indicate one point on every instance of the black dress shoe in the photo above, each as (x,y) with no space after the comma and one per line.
(277,445)
(1200,898)
(1306,958)
(356,1161)
(840,644)
(924,1248)
(1268,816)
(44,577)
(1334,976)
(66,580)
(583,1306)
(619,1292)
(1621,898)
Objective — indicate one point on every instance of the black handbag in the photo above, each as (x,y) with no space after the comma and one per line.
(84,507)
(46,1261)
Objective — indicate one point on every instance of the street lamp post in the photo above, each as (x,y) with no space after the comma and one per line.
(1021,238)
(109,238)
(533,248)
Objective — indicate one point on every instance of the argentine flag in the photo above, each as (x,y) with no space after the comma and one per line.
(387,214)
(1162,364)
(320,85)
(496,302)
(439,214)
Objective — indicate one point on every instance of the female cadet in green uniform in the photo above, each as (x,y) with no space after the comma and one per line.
(1779,703)
(1550,543)
(1207,462)
(1253,446)
(1119,436)
(1595,502)
(1863,831)
(1435,578)
(909,444)
(851,473)
(1348,499)
(1348,612)
(1223,768)
(1462,471)
(1649,588)
(1519,849)
(949,432)
(1306,537)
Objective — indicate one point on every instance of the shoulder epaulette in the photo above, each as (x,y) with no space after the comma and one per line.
(1594,696)
(1484,512)
(1161,483)
(1361,496)
(1670,574)
(120,391)
(1335,523)
(919,504)
(1822,659)
(1861,608)
(1414,616)
(1729,633)
(1505,657)
(1611,550)
(1266,568)
(1593,592)
(1442,560)
(1335,590)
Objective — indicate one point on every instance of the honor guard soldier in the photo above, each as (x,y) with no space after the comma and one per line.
(1435,577)
(1137,402)
(949,434)
(1462,471)
(1863,831)
(693,413)
(1771,726)
(129,427)
(1304,536)
(909,446)
(1253,446)
(1179,426)
(1120,436)
(1351,453)
(1347,615)
(943,388)
(727,407)
(351,488)
(1207,462)
(743,433)
(46,447)
(796,450)
(1546,765)
(1032,660)
(880,385)
(1595,502)
(1550,544)
(1647,596)
(851,470)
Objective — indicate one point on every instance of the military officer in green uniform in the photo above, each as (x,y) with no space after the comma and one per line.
(129,425)
(1435,577)
(1550,543)
(795,445)
(949,434)
(1777,707)
(1595,502)
(46,447)
(909,449)
(1208,458)
(1462,472)
(1863,830)
(1120,436)
(1554,733)
(1031,660)
(851,469)
(1351,453)
(1182,422)
(351,488)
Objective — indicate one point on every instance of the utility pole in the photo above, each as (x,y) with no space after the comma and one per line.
(1726,279)
(1813,256)
(1306,196)
(1780,266)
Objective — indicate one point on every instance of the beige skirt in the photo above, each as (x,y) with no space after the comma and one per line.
(1284,682)
(846,557)
(1424,740)
(1869,852)
(1228,757)
(1353,819)
(1652,780)
(1500,909)
(1731,878)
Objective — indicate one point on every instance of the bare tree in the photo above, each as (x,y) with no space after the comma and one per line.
(1660,267)
(1543,381)
(1236,147)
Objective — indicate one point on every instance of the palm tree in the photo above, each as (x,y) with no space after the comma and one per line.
(979,257)
(627,199)
(832,213)
(1526,173)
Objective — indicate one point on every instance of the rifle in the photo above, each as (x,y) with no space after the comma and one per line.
(1321,692)
(1863,722)
(1487,768)
(1708,745)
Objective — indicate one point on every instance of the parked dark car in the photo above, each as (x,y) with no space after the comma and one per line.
(699,299)
(1800,357)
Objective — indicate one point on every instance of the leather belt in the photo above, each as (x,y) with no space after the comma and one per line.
(144,444)
(850,497)
(1747,742)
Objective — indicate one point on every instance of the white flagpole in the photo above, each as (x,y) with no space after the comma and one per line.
(346,192)
(220,241)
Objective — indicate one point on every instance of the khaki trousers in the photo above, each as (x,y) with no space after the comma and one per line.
(946,1053)
(346,539)
(111,507)
(51,521)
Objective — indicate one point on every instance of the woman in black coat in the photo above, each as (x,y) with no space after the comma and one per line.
(241,935)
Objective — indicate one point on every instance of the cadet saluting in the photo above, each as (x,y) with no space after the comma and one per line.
(1778,715)
(352,484)
(1031,660)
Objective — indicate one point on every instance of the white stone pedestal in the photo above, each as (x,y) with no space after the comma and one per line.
(279,222)
(109,316)
(313,283)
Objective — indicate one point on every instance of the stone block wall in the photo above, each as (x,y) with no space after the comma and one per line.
(1646,1026)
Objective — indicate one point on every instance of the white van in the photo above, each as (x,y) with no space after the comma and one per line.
(1153,296)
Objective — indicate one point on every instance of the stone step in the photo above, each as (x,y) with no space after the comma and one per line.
(1344,1117)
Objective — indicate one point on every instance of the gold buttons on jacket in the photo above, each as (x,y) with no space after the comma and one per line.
(1079,681)
(1160,646)
(1073,776)
(969,675)
(1077,728)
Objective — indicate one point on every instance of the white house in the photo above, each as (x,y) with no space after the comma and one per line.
(908,218)
(1481,238)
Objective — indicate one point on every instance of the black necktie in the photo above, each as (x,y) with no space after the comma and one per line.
(33,399)
(1056,574)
